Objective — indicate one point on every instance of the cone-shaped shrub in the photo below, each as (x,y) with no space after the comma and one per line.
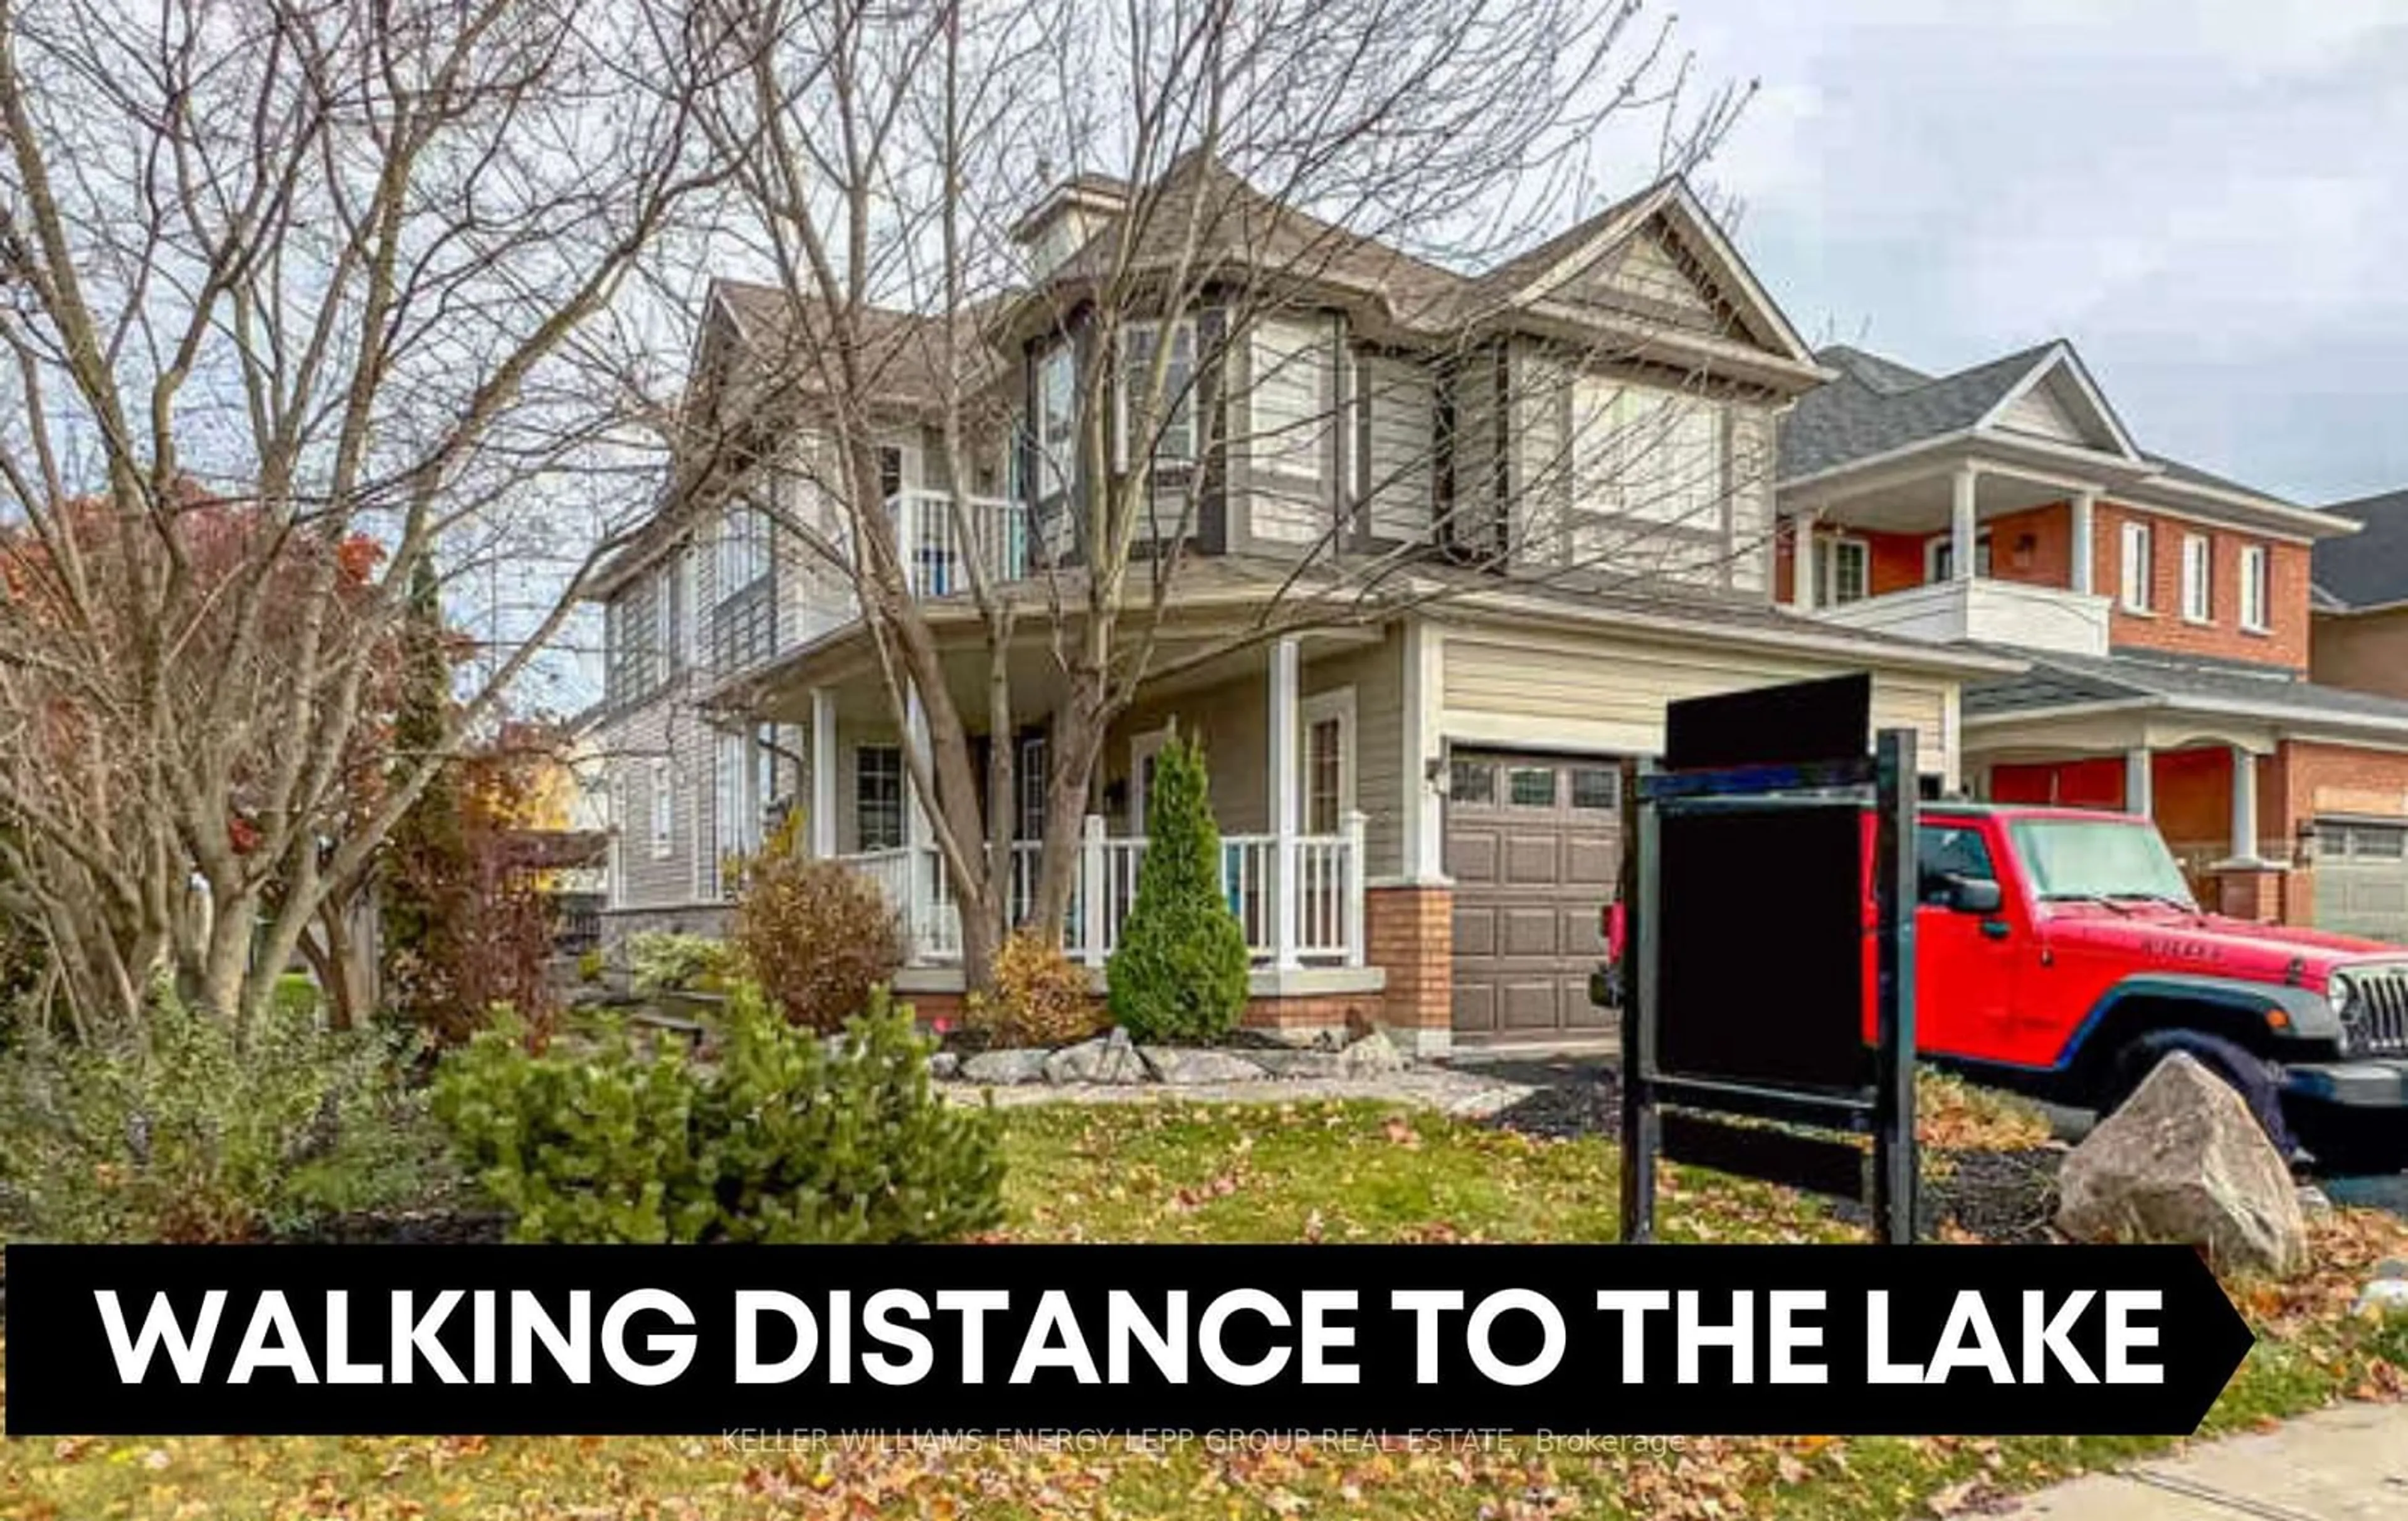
(1180,973)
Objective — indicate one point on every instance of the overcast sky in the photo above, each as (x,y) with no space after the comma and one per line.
(2210,198)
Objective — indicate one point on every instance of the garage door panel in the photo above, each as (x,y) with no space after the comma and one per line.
(1531,1004)
(1530,860)
(1529,878)
(1472,857)
(1591,862)
(1475,1008)
(1475,931)
(1530,931)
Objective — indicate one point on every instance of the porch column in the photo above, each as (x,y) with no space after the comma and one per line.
(2244,804)
(2084,550)
(1965,531)
(1284,780)
(2138,797)
(1425,753)
(1801,562)
(916,831)
(824,765)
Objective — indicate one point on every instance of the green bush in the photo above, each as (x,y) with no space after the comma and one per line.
(664,961)
(591,965)
(294,996)
(1180,973)
(788,1138)
(179,1133)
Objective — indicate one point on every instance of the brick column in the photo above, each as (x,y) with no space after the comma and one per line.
(2251,893)
(1409,933)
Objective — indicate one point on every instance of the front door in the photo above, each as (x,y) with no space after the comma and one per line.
(1964,962)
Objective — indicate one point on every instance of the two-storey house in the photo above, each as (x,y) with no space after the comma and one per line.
(1563,466)
(2164,613)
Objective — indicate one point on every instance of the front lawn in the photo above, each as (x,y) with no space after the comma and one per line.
(1298,1172)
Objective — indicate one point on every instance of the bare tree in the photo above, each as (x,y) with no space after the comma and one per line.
(294,296)
(1262,156)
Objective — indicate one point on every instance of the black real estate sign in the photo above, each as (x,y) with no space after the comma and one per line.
(1768,887)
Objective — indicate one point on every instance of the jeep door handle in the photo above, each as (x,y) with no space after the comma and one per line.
(1995,928)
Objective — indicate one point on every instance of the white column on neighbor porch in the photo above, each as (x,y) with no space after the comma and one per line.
(1802,561)
(2244,804)
(1965,531)
(824,765)
(2139,797)
(1284,780)
(2085,539)
(916,831)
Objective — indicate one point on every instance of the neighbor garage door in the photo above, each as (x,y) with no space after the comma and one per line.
(1533,843)
(2362,879)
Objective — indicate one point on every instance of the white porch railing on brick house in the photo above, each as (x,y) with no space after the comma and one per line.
(1324,923)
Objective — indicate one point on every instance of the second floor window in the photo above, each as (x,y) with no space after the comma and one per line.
(1174,431)
(2140,566)
(744,617)
(2255,596)
(639,637)
(1647,453)
(2198,578)
(1058,421)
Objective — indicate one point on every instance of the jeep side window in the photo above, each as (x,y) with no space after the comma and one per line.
(1944,852)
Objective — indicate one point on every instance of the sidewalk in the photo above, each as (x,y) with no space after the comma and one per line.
(2349,1463)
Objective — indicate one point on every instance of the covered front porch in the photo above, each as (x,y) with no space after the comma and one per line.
(1278,719)
(1991,551)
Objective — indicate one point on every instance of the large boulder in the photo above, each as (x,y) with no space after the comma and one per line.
(1199,1064)
(1107,1058)
(1007,1067)
(2185,1161)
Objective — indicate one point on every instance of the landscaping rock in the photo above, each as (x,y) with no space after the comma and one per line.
(2384,1296)
(1298,1063)
(1375,1055)
(944,1064)
(1107,1058)
(2314,1201)
(2185,1161)
(1006,1068)
(1199,1064)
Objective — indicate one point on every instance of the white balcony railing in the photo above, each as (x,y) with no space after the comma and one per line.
(936,539)
(1987,611)
(1323,919)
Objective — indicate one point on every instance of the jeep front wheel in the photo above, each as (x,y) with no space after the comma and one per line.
(2242,1071)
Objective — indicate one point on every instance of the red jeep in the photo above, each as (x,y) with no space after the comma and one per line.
(2061,953)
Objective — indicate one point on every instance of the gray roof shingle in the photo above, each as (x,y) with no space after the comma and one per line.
(2059,681)
(2369,568)
(1878,405)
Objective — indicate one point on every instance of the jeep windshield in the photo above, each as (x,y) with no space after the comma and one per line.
(2099,860)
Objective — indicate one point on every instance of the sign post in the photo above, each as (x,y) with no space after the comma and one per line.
(1751,957)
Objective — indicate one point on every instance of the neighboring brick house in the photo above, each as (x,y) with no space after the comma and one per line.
(2358,638)
(2166,613)
(1419,809)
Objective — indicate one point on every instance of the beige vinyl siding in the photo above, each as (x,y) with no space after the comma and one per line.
(1749,430)
(1541,443)
(1377,676)
(1472,520)
(1231,721)
(631,743)
(1608,693)
(1400,400)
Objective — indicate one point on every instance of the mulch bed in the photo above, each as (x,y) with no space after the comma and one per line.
(433,1228)
(2006,1197)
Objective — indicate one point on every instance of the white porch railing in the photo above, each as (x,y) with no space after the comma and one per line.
(1325,908)
(936,541)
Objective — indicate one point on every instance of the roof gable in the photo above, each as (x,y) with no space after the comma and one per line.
(1658,256)
(2058,401)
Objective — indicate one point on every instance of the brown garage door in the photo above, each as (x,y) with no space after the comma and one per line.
(1533,843)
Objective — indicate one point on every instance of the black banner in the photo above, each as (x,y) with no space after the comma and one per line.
(1663,1340)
